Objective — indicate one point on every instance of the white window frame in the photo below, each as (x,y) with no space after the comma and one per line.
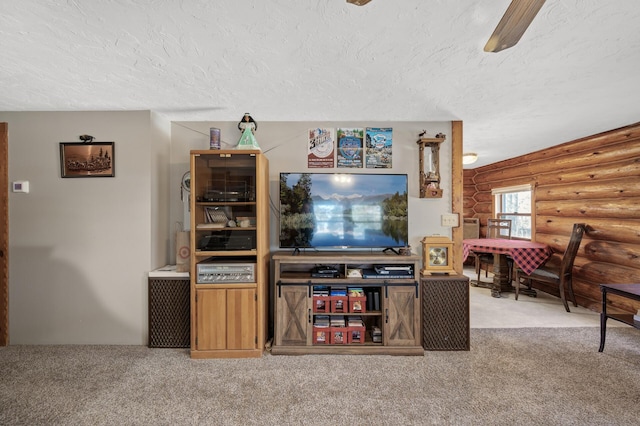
(497,194)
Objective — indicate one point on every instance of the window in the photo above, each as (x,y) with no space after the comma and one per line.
(515,203)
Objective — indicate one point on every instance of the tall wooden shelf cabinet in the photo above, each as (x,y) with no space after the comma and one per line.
(229,192)
(396,314)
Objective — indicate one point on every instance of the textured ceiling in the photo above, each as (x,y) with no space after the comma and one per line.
(573,74)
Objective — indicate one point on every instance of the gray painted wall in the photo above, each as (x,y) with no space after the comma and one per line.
(80,248)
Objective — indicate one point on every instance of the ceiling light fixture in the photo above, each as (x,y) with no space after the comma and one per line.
(358,2)
(469,158)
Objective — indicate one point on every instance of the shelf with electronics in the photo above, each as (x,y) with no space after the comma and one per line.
(346,303)
(229,242)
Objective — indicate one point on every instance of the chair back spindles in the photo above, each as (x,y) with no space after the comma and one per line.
(499,228)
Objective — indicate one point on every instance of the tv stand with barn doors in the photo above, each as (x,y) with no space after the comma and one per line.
(347,303)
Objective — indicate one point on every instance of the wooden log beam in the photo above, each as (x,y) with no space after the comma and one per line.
(614,209)
(613,253)
(468,192)
(469,203)
(483,197)
(603,273)
(627,168)
(610,188)
(622,135)
(483,208)
(624,231)
(530,169)
(557,243)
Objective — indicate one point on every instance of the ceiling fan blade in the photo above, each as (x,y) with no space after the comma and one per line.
(358,2)
(513,24)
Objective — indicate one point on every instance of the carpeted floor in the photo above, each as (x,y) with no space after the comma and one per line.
(525,376)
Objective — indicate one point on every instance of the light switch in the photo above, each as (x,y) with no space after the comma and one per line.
(21,186)
(450,220)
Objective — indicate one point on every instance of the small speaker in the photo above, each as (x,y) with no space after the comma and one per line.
(169,313)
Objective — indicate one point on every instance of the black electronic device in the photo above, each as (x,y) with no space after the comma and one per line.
(226,241)
(325,271)
(222,190)
(389,275)
(394,270)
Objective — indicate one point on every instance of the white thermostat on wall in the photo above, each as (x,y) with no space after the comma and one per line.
(21,186)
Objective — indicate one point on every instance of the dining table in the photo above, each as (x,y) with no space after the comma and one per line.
(527,255)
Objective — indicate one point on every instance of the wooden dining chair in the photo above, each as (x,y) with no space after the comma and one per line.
(556,272)
(496,228)
(470,229)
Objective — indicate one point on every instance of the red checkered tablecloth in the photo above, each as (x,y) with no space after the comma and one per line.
(526,254)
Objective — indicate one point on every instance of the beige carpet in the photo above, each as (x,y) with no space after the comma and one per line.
(544,310)
(545,376)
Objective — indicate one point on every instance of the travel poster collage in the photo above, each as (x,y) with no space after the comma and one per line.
(369,147)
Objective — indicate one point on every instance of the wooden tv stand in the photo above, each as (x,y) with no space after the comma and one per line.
(391,304)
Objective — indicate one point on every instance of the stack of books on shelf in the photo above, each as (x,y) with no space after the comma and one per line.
(356,292)
(337,322)
(214,218)
(321,321)
(355,321)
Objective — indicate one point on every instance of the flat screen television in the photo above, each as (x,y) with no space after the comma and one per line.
(343,210)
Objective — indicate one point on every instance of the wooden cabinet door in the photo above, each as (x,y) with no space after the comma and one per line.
(293,307)
(226,319)
(241,318)
(211,319)
(402,316)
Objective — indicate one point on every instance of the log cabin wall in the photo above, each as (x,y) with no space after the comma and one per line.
(593,180)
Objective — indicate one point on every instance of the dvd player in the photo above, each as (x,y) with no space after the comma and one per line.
(324,272)
(389,275)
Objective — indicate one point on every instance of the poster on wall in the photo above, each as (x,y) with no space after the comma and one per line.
(350,146)
(321,151)
(378,147)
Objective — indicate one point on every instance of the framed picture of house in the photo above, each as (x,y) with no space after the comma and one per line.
(94,159)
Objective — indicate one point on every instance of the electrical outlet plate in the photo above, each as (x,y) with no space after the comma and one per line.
(450,220)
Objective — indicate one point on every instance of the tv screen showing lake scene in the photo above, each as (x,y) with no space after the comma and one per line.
(343,210)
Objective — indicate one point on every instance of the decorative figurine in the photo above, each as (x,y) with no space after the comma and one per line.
(248,127)
(247,122)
